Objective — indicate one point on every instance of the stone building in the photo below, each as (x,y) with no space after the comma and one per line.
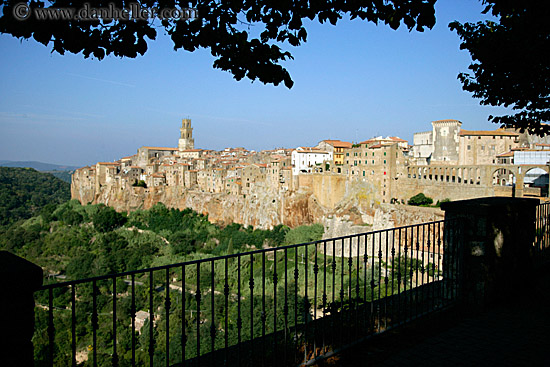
(275,171)
(379,164)
(483,147)
(132,173)
(146,155)
(186,140)
(423,147)
(337,147)
(447,143)
(190,179)
(445,135)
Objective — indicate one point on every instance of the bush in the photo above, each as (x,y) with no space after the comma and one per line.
(438,204)
(107,219)
(305,233)
(420,199)
(140,183)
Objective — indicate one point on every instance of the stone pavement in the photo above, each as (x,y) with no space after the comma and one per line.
(514,333)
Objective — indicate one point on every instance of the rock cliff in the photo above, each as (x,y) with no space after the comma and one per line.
(355,210)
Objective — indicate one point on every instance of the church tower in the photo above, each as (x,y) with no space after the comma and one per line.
(186,140)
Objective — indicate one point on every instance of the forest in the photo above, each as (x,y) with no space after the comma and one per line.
(24,191)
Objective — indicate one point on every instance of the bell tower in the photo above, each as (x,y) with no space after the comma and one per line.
(186,140)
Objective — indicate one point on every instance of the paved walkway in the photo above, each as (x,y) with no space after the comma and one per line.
(515,333)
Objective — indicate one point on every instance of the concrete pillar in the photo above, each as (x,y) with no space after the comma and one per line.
(19,279)
(497,238)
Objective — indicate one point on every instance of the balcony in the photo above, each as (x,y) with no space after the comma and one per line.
(336,301)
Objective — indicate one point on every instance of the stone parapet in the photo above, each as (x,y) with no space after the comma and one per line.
(497,242)
(19,279)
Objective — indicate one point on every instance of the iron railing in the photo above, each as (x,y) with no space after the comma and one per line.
(280,306)
(541,245)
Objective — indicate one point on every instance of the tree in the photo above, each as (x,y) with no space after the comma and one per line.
(511,67)
(224,27)
(420,199)
(107,219)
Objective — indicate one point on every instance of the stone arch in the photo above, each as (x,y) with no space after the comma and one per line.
(503,176)
(536,176)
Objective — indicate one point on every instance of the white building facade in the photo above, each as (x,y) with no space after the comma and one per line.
(305,159)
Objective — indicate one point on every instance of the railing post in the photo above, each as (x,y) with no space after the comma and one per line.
(19,279)
(497,240)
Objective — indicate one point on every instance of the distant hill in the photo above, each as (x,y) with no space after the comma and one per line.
(25,191)
(39,166)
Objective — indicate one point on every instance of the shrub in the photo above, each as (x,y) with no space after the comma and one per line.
(107,219)
(140,183)
(304,234)
(420,199)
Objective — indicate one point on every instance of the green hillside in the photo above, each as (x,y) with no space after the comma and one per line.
(25,191)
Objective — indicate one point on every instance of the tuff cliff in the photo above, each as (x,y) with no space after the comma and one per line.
(343,207)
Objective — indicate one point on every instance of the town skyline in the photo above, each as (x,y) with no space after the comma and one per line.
(352,82)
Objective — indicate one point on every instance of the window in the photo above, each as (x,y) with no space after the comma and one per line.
(384,154)
(483,147)
(373,161)
(384,161)
(469,147)
(347,154)
(363,173)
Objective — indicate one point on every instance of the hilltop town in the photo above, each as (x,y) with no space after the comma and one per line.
(334,178)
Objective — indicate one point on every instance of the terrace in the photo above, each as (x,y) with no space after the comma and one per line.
(456,284)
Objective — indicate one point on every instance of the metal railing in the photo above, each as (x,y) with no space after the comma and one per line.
(280,306)
(541,245)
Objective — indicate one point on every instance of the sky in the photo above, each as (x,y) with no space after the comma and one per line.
(352,81)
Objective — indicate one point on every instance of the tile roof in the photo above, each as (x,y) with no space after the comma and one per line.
(338,143)
(311,150)
(498,132)
(160,148)
(446,120)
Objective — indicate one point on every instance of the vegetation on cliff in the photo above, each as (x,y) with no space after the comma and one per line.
(82,241)
(72,241)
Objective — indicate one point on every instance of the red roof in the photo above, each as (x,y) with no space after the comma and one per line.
(338,143)
(498,132)
(160,148)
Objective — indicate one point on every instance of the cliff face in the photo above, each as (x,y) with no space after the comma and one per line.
(354,210)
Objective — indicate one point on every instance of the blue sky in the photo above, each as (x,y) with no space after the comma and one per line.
(352,81)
